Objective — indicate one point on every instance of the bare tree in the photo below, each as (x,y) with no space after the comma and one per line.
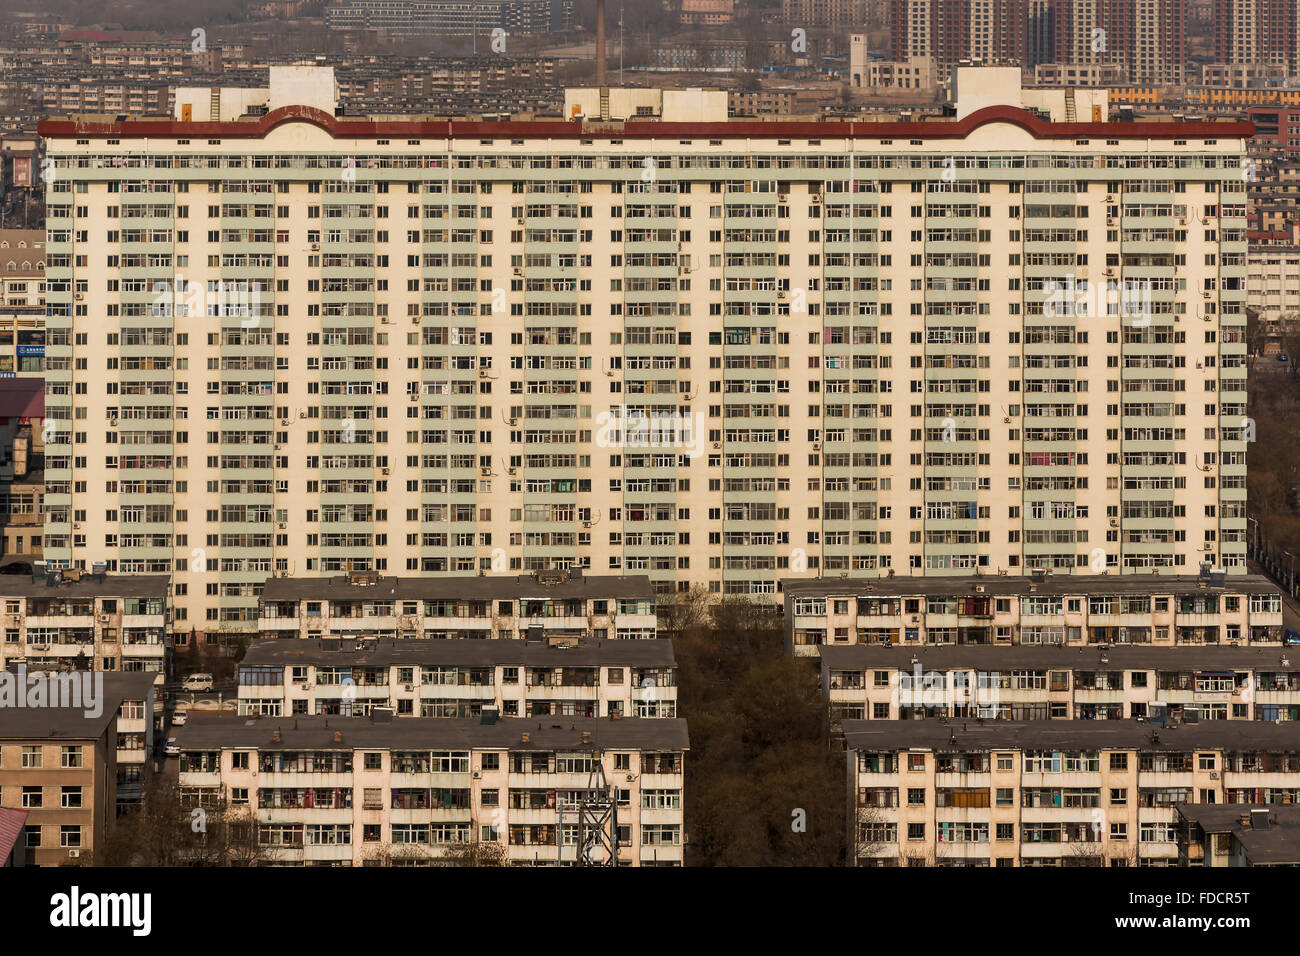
(474,853)
(169,828)
(684,611)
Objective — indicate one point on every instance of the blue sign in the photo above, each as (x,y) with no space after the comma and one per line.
(31,350)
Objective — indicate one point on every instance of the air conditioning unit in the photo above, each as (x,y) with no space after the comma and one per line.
(284,421)
(586,524)
(815,199)
(510,471)
(1214,775)
(315,247)
(385,320)
(415,396)
(1182,220)
(485,472)
(383,471)
(817,446)
(74,854)
(79,296)
(281,525)
(781,294)
(415,320)
(408,687)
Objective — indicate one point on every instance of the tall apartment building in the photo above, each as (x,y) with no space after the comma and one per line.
(419,678)
(1264,32)
(1070,610)
(352,792)
(1146,38)
(715,353)
(1047,793)
(991,31)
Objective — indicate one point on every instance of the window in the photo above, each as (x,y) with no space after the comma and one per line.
(916,831)
(1005,761)
(916,796)
(1119,761)
(33,798)
(72,757)
(916,761)
(31,757)
(491,761)
(70,798)
(69,836)
(1006,831)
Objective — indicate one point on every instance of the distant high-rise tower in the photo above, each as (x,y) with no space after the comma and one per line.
(1258,32)
(1145,37)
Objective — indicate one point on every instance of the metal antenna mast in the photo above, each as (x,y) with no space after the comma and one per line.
(596,809)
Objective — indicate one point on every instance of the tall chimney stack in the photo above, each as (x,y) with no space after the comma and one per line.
(600,43)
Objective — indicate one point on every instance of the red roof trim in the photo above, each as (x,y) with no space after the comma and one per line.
(349,128)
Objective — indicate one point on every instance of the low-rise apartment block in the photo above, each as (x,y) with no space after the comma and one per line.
(1045,793)
(459,679)
(548,605)
(886,682)
(1155,609)
(90,620)
(64,764)
(350,792)
(1249,835)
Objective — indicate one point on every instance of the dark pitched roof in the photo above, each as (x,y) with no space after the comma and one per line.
(1004,657)
(204,731)
(960,736)
(113,585)
(997,585)
(467,653)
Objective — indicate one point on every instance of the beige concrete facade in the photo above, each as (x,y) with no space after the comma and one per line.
(925,793)
(855,348)
(406,791)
